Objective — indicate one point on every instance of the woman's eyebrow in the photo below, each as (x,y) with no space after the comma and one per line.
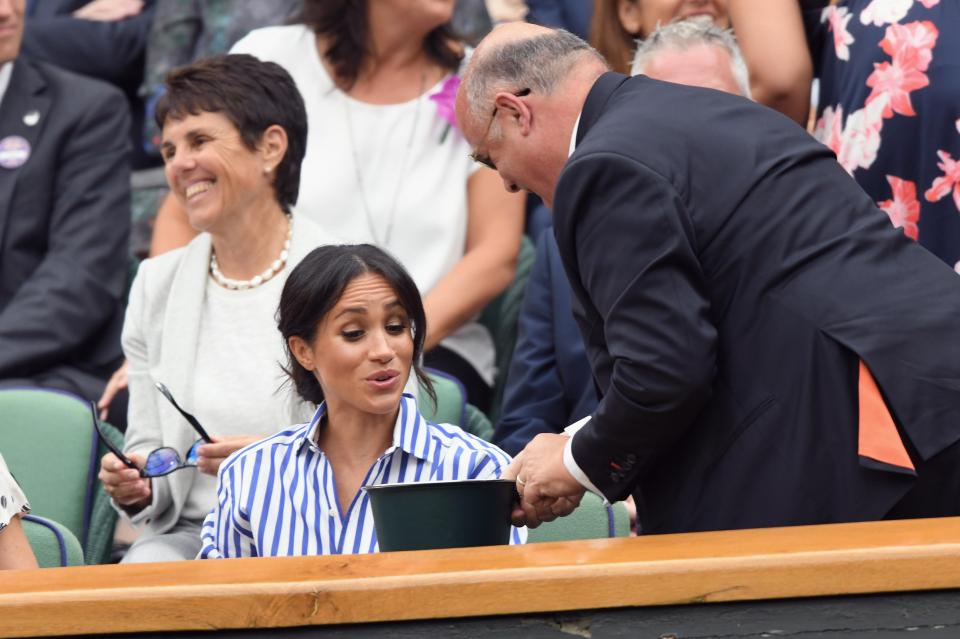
(361,310)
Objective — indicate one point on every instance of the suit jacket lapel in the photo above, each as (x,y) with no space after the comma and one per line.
(181,329)
(596,101)
(25,93)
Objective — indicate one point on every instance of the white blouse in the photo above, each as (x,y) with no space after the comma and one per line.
(392,175)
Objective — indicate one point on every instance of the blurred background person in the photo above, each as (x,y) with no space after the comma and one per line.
(103,39)
(353,323)
(15,551)
(572,15)
(64,221)
(889,102)
(201,319)
(550,385)
(617,24)
(386,165)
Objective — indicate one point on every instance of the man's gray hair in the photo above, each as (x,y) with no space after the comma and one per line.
(690,33)
(538,63)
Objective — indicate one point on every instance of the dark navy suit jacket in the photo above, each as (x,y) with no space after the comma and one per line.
(549,385)
(64,230)
(728,278)
(572,15)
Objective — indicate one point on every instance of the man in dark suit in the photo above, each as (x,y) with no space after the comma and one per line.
(769,350)
(64,221)
(572,15)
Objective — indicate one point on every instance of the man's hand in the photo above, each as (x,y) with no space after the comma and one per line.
(547,490)
(210,456)
(118,382)
(109,10)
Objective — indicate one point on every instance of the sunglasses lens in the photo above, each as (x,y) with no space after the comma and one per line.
(192,453)
(161,461)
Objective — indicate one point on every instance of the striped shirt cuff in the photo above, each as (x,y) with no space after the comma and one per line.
(572,467)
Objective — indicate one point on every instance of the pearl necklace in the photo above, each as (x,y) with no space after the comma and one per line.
(256,280)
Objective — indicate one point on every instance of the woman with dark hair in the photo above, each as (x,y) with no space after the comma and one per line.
(354,326)
(386,165)
(200,319)
(617,24)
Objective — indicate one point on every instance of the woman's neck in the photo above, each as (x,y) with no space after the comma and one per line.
(353,436)
(252,241)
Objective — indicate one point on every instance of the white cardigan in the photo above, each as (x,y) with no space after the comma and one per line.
(160,344)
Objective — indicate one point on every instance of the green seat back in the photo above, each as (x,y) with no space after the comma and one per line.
(53,544)
(500,318)
(49,443)
(591,520)
(451,400)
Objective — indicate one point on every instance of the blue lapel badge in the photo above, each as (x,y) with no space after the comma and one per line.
(14,152)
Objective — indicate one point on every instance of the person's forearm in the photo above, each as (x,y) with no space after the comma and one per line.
(15,551)
(772,39)
(172,229)
(469,286)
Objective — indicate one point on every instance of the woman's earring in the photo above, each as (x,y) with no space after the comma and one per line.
(267,170)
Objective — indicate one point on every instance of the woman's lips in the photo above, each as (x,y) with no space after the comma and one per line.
(384,380)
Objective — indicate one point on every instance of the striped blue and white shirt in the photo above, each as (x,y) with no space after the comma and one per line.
(278,497)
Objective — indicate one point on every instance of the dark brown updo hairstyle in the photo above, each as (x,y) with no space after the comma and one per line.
(314,287)
(608,36)
(253,95)
(343,25)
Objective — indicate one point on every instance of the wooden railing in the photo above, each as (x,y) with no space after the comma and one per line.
(669,569)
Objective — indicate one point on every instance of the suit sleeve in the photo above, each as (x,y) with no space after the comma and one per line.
(534,400)
(636,258)
(76,289)
(110,51)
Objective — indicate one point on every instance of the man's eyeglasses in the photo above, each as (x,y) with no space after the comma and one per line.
(161,461)
(485,159)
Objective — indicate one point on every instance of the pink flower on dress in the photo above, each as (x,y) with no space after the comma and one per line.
(445,99)
(881,12)
(860,139)
(895,82)
(911,45)
(929,4)
(838,18)
(829,128)
(949,181)
(904,209)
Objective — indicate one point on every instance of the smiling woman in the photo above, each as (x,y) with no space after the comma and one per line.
(354,325)
(200,319)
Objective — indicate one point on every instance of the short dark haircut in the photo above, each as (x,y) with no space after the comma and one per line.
(253,95)
(314,287)
(344,25)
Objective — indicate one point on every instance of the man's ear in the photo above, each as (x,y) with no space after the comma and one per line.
(273,146)
(516,109)
(631,16)
(301,351)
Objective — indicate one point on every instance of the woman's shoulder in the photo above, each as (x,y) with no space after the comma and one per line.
(155,275)
(274,43)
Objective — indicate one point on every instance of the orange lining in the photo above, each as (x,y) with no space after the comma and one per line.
(879,439)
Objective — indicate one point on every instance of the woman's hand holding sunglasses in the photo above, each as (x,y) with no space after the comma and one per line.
(210,456)
(124,484)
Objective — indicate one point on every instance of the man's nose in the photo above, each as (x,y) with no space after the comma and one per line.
(510,185)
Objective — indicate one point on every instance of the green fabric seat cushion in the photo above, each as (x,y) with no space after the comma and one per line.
(53,544)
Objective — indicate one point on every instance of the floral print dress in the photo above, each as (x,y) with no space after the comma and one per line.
(12,500)
(889,107)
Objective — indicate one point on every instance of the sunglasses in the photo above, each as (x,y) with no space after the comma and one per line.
(161,461)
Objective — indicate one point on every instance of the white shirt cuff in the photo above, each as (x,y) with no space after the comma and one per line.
(571,464)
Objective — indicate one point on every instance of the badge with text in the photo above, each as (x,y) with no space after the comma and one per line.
(14,152)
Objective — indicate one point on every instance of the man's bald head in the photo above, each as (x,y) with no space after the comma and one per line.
(520,55)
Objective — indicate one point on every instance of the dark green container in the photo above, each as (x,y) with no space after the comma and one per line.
(445,514)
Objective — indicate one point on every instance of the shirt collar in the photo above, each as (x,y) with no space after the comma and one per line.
(411,433)
(5,71)
(573,136)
